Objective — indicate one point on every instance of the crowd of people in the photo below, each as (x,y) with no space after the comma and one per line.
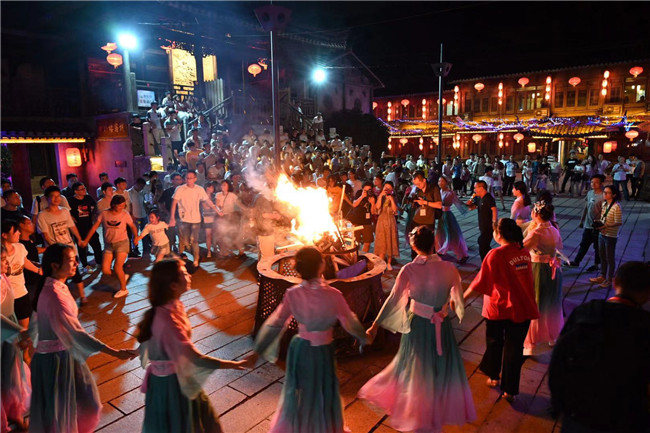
(219,192)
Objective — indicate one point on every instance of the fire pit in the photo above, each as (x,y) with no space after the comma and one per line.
(363,293)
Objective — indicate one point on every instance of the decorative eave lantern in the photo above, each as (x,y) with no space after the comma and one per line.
(404,140)
(477,137)
(532,147)
(608,146)
(405,102)
(110,47)
(421,147)
(518,137)
(479,87)
(574,81)
(254,69)
(114,59)
(374,105)
(636,71)
(632,134)
(523,81)
(73,157)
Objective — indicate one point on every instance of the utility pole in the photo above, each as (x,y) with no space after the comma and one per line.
(440,70)
(274,19)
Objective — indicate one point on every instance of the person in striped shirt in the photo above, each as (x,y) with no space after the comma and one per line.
(611,219)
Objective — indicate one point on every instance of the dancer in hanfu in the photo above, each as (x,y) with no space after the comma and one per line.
(449,235)
(544,241)
(425,386)
(174,401)
(15,383)
(64,394)
(310,400)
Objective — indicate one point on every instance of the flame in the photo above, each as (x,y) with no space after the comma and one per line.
(311,207)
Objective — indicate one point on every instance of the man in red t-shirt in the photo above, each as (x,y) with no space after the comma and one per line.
(506,281)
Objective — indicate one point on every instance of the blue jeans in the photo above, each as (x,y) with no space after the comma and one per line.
(607,251)
(623,184)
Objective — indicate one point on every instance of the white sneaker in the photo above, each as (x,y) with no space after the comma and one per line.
(120,293)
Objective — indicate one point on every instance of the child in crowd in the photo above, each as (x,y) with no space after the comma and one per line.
(157,230)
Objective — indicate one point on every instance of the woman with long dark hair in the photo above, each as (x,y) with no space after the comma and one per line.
(174,400)
(506,281)
(544,242)
(611,220)
(64,394)
(425,386)
(520,210)
(449,236)
(310,400)
(386,243)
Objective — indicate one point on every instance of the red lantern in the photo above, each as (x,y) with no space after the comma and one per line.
(523,81)
(114,60)
(404,102)
(109,47)
(608,146)
(632,134)
(403,140)
(479,86)
(574,81)
(518,136)
(73,157)
(636,71)
(476,137)
(374,105)
(254,69)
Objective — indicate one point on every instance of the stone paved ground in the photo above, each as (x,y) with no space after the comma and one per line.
(222,308)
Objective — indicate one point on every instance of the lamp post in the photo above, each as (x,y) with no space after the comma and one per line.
(128,42)
(274,18)
(440,70)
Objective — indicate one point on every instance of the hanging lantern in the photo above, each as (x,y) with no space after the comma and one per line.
(523,81)
(405,102)
(636,71)
(574,81)
(421,147)
(114,59)
(403,140)
(606,74)
(479,86)
(632,134)
(476,137)
(263,63)
(518,136)
(389,146)
(608,146)
(444,101)
(501,136)
(500,94)
(424,109)
(500,143)
(532,147)
(112,46)
(390,104)
(73,157)
(254,69)
(374,105)
(547,95)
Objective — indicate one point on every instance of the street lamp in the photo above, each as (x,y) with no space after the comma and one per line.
(127,42)
(319,75)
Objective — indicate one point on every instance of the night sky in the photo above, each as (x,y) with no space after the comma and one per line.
(397,40)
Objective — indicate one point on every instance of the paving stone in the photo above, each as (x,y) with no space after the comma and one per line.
(258,379)
(225,399)
(252,412)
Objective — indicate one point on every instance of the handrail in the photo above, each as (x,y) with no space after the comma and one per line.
(307,123)
(218,106)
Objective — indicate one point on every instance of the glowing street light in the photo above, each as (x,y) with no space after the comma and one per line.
(127,41)
(319,75)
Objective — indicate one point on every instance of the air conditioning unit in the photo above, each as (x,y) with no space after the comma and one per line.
(612,109)
(541,113)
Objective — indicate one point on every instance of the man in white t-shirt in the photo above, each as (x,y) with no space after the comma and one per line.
(40,202)
(188,198)
(57,227)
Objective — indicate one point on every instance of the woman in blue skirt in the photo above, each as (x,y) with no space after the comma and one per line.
(310,401)
(449,236)
(425,386)
(174,401)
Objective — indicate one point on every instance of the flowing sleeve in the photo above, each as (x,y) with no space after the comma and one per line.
(456,202)
(62,315)
(192,367)
(456,295)
(349,320)
(267,343)
(394,313)
(9,329)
